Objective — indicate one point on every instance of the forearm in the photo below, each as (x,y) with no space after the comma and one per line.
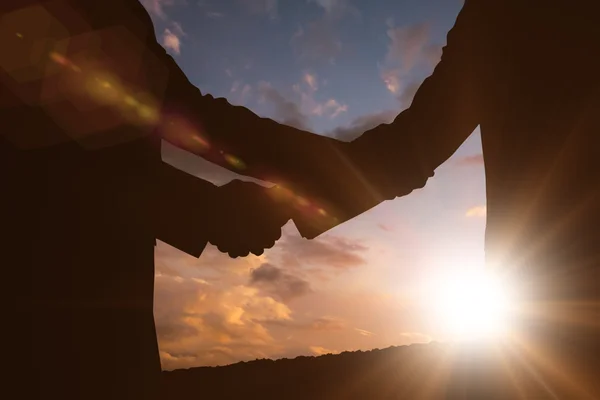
(444,112)
(313,167)
(394,159)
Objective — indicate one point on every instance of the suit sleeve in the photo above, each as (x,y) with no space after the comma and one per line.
(399,157)
(311,167)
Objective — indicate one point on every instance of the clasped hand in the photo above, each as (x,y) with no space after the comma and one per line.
(246,219)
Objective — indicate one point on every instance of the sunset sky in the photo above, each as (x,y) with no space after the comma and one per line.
(337,68)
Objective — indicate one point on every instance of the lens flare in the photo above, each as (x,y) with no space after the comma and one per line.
(302,202)
(234,161)
(180,130)
(63,61)
(130,101)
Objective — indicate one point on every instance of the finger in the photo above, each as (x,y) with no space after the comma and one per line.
(241,253)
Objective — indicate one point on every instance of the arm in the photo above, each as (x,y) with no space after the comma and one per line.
(394,159)
(444,112)
(104,58)
(309,165)
(348,179)
(239,217)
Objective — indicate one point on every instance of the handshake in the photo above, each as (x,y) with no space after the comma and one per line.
(248,218)
(245,218)
(238,218)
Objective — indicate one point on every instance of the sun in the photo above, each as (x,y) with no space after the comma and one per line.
(472,305)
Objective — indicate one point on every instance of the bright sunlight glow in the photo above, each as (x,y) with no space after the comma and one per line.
(473,305)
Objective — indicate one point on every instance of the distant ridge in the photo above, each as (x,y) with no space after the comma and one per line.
(419,371)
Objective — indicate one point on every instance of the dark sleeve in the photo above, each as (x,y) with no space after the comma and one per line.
(444,112)
(183,212)
(343,179)
(394,159)
(237,139)
(241,141)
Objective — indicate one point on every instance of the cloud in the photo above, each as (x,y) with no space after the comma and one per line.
(476,159)
(407,44)
(239,93)
(328,251)
(199,324)
(156,7)
(171,41)
(477,212)
(177,28)
(261,7)
(334,108)
(327,324)
(278,282)
(364,332)
(311,81)
(409,48)
(321,324)
(297,113)
(319,351)
(363,123)
(285,111)
(310,105)
(391,78)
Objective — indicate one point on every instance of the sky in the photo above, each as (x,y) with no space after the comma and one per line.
(336,68)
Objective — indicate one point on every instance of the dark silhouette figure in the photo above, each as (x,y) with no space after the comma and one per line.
(86,96)
(527,73)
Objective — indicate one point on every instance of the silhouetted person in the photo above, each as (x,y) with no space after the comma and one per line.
(86,95)
(527,73)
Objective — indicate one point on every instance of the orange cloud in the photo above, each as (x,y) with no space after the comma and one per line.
(364,332)
(319,351)
(478,211)
(311,81)
(171,41)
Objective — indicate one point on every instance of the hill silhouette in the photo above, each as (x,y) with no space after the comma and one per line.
(419,371)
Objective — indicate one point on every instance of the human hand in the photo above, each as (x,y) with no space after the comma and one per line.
(246,219)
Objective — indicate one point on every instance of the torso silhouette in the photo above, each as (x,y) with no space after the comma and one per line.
(526,72)
(87,95)
(77,231)
(85,194)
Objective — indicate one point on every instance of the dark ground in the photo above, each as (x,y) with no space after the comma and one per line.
(420,371)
